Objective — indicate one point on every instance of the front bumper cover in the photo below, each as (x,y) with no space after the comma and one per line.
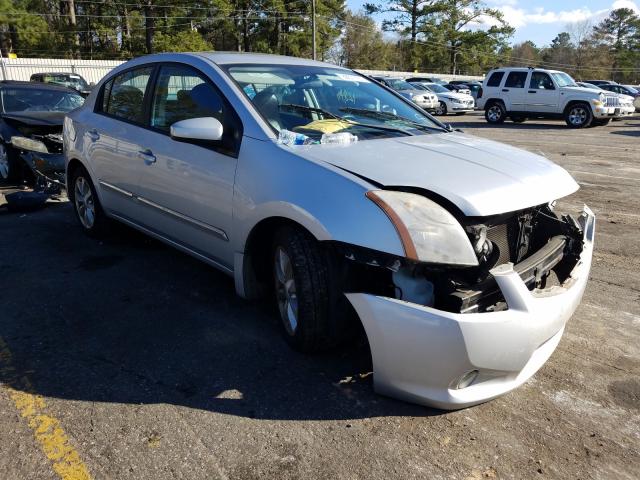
(47,165)
(419,353)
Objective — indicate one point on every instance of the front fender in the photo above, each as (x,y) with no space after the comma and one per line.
(272,181)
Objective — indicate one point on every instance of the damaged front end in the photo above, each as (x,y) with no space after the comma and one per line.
(452,336)
(39,146)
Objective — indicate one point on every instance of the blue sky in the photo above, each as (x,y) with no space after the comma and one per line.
(541,20)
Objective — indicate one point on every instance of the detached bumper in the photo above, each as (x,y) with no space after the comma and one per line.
(48,165)
(420,354)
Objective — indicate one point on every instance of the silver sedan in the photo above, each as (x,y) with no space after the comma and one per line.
(346,204)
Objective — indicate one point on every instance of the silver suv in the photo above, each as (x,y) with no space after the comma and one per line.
(521,93)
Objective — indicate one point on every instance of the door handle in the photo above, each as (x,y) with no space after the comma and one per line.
(93,135)
(147,156)
(532,91)
(505,89)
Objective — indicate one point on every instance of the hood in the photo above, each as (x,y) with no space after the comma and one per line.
(481,177)
(585,89)
(36,119)
(456,95)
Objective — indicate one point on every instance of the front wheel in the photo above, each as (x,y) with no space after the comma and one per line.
(86,204)
(9,168)
(441,109)
(495,113)
(303,290)
(578,115)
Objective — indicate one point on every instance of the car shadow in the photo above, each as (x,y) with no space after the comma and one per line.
(629,133)
(129,320)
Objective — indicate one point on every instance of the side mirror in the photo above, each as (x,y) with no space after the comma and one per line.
(207,129)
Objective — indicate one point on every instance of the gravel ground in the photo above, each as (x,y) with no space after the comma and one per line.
(149,367)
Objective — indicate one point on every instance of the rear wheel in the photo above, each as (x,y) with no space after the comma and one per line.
(86,204)
(578,115)
(303,290)
(495,113)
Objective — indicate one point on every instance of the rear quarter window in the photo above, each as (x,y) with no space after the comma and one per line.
(495,79)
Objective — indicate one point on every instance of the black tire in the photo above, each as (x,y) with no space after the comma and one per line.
(600,122)
(11,171)
(312,288)
(495,113)
(518,119)
(99,227)
(578,115)
(441,109)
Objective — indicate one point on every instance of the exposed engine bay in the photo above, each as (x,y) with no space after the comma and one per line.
(543,246)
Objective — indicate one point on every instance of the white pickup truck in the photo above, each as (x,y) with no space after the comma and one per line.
(521,93)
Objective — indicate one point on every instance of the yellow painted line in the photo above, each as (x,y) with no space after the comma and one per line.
(47,429)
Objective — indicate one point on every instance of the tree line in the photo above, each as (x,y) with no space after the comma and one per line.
(445,36)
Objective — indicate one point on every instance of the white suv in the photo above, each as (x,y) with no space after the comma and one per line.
(521,93)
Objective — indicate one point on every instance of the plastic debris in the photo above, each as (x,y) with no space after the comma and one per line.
(287,137)
(341,138)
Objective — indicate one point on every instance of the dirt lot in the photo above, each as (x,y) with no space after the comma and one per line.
(128,360)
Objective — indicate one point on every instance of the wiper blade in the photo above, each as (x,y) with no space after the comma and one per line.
(386,116)
(294,106)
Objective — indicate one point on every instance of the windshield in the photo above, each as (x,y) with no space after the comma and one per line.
(38,100)
(322,100)
(398,84)
(563,80)
(73,81)
(434,87)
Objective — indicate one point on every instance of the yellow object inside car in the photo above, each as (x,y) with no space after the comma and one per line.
(331,125)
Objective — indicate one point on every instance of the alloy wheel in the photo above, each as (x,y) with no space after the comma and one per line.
(4,162)
(286,290)
(577,116)
(84,202)
(494,114)
(441,109)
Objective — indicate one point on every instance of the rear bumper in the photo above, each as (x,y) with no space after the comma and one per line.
(420,353)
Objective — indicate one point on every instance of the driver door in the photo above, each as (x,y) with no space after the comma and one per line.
(542,95)
(186,188)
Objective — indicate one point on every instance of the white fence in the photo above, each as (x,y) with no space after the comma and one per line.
(23,68)
(94,70)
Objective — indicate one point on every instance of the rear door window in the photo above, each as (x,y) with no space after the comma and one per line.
(495,79)
(123,96)
(516,79)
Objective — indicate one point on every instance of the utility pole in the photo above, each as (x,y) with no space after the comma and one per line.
(313,27)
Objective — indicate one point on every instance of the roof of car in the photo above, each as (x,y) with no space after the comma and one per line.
(229,58)
(57,73)
(35,85)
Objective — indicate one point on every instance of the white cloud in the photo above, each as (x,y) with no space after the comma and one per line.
(519,17)
(626,4)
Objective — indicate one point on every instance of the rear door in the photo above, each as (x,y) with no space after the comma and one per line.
(542,95)
(513,91)
(113,141)
(187,190)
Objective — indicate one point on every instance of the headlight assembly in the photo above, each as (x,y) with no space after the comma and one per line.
(25,143)
(428,232)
